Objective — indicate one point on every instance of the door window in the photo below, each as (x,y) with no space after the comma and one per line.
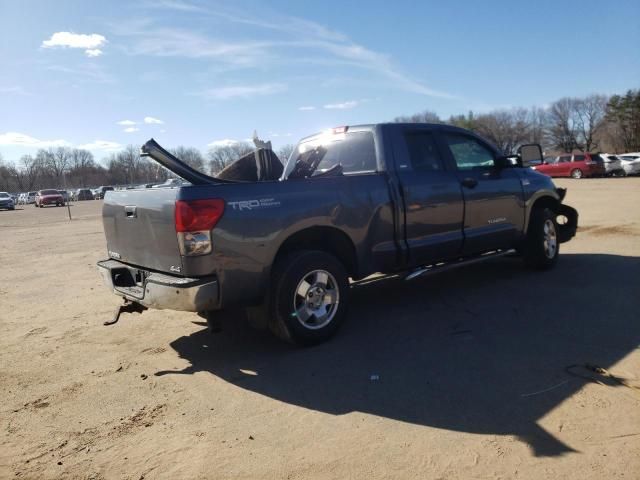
(469,153)
(423,152)
(564,159)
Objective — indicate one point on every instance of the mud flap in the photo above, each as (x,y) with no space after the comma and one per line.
(566,228)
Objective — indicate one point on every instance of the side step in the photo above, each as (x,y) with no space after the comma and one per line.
(444,266)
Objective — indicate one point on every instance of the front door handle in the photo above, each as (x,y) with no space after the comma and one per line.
(469,182)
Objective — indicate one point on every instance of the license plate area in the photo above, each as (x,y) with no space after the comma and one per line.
(129,281)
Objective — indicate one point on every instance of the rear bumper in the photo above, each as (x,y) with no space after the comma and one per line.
(158,290)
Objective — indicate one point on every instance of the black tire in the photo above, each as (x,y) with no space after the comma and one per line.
(538,252)
(576,173)
(286,318)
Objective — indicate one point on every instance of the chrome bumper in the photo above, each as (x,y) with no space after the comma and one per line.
(161,291)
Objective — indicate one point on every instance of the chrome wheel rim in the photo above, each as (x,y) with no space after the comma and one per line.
(577,174)
(315,301)
(550,239)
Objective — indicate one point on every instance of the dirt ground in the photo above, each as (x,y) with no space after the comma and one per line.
(457,376)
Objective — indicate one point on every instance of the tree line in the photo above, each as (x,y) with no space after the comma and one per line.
(592,123)
(587,124)
(72,168)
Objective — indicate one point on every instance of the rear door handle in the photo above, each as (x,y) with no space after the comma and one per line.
(469,182)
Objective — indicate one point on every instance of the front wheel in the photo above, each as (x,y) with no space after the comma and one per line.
(576,173)
(541,246)
(309,298)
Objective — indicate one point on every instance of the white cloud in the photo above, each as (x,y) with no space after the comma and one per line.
(243,91)
(104,145)
(306,108)
(153,121)
(126,122)
(342,106)
(21,139)
(89,43)
(225,142)
(314,44)
(131,129)
(14,90)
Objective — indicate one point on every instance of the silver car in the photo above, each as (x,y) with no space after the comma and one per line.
(612,165)
(630,163)
(6,201)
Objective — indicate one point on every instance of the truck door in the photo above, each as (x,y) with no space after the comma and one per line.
(493,196)
(433,205)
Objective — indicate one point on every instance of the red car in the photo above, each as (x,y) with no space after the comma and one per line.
(575,166)
(49,197)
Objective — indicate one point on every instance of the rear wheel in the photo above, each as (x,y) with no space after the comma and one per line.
(576,173)
(309,298)
(542,247)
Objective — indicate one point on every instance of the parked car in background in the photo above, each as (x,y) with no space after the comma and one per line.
(83,194)
(576,166)
(49,197)
(100,191)
(65,195)
(612,165)
(630,163)
(6,201)
(27,198)
(170,182)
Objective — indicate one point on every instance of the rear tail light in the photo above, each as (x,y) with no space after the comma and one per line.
(194,221)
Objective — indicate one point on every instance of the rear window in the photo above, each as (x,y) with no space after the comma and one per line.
(354,151)
(423,151)
(578,158)
(597,158)
(49,192)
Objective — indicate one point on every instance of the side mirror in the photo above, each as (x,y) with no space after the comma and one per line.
(531,154)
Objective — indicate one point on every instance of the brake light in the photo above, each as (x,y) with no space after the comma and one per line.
(194,221)
(198,215)
(337,130)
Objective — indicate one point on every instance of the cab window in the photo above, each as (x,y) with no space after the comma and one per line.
(469,153)
(423,152)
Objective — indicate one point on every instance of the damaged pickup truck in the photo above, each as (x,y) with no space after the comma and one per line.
(280,243)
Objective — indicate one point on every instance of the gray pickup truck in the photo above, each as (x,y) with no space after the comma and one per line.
(280,243)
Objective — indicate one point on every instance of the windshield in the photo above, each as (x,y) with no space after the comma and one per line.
(353,151)
(4,195)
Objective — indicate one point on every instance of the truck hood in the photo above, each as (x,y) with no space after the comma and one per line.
(258,166)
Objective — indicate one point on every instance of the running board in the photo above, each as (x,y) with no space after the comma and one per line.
(443,266)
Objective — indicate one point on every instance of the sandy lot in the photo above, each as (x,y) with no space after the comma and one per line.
(457,376)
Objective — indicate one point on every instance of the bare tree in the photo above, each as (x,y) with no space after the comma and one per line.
(563,128)
(220,157)
(590,113)
(507,129)
(284,152)
(29,169)
(427,116)
(191,156)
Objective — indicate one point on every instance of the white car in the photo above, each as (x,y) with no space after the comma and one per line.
(612,164)
(630,163)
(27,198)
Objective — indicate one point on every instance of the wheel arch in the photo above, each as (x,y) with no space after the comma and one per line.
(325,238)
(543,201)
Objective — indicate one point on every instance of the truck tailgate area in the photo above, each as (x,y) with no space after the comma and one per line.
(140,228)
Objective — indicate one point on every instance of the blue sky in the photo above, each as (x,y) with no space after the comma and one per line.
(202,73)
